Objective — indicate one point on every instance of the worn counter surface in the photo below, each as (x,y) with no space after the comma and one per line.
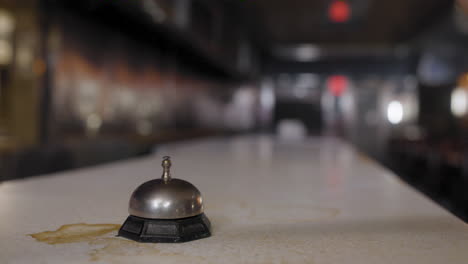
(310,201)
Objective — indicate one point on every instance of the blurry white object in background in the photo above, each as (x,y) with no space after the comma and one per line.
(93,124)
(7,26)
(307,52)
(208,111)
(301,52)
(6,52)
(25,56)
(305,85)
(267,100)
(291,129)
(400,101)
(87,97)
(458,102)
(238,114)
(7,23)
(395,112)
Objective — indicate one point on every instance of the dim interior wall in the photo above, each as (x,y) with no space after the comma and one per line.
(21,75)
(80,92)
(104,83)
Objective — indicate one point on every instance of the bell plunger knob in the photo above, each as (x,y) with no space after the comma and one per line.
(166,164)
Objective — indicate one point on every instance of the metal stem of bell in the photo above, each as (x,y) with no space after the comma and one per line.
(166,164)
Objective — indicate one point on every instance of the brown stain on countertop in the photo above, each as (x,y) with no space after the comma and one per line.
(75,233)
(105,245)
(364,158)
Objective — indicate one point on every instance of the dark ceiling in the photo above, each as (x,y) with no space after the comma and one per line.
(373,21)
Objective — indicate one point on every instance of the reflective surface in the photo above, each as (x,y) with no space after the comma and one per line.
(159,199)
(166,198)
(314,200)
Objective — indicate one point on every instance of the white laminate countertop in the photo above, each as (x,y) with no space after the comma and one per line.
(310,201)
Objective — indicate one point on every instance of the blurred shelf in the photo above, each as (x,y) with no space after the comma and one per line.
(197,40)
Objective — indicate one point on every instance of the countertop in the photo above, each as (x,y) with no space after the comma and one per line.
(270,201)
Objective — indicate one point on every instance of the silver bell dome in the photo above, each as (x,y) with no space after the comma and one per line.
(166,198)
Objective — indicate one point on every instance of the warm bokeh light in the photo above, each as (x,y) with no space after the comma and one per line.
(7,23)
(6,52)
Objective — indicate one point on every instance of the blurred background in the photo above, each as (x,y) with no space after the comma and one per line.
(94,81)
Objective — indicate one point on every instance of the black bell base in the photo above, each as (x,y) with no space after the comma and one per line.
(166,230)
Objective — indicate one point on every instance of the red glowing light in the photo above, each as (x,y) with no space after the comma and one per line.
(339,11)
(337,84)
